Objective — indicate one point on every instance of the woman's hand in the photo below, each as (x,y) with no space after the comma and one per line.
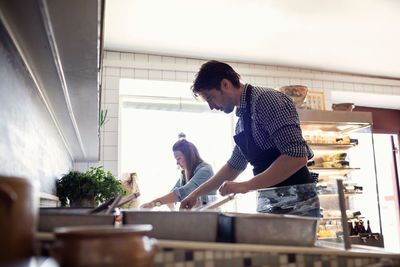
(188,202)
(233,187)
(148,205)
(152,204)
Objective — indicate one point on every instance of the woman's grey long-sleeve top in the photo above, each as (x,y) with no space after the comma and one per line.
(201,174)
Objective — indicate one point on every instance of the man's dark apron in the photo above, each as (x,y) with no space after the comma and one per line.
(295,195)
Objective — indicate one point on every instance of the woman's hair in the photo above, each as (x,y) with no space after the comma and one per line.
(211,74)
(191,155)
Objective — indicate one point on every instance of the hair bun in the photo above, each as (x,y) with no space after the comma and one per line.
(181,136)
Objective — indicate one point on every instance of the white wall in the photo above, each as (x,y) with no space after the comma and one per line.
(117,65)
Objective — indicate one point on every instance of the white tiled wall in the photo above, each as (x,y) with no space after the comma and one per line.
(118,65)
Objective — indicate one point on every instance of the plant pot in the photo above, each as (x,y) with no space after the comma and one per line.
(87,201)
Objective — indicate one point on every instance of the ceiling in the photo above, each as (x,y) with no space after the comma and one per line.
(354,36)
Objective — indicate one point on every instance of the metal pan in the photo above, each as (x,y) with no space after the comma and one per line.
(176,225)
(273,229)
(50,218)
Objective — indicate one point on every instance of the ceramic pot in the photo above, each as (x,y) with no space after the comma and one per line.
(18,218)
(297,93)
(343,106)
(104,246)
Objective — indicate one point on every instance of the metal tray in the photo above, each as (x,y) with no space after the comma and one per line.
(176,225)
(272,229)
(50,218)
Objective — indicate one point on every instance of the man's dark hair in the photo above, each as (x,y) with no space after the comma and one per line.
(211,74)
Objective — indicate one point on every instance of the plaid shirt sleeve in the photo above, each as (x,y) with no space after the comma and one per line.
(276,115)
(237,160)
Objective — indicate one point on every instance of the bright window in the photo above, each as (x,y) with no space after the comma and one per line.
(153,113)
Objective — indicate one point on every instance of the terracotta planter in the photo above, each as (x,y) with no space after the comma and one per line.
(85,202)
(18,218)
(104,246)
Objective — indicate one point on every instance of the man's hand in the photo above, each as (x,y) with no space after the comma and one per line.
(233,187)
(188,202)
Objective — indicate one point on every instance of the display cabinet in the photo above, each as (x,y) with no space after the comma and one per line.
(342,143)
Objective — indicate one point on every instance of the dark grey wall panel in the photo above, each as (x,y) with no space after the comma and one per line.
(30,145)
(60,42)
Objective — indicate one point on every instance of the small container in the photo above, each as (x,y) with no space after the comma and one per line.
(19,201)
(343,106)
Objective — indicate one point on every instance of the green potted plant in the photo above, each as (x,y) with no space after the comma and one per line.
(87,189)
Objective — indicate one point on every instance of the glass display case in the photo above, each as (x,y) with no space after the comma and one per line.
(343,149)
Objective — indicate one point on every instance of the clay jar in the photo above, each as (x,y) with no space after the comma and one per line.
(104,246)
(18,218)
(297,93)
(343,106)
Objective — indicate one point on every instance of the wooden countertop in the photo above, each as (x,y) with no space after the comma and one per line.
(320,248)
(356,250)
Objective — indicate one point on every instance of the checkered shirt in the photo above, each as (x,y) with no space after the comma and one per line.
(274,123)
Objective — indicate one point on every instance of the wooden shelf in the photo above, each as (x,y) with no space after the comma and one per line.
(331,218)
(335,218)
(330,146)
(332,171)
(334,121)
(346,194)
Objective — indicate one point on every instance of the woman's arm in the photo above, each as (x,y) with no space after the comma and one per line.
(180,192)
(166,199)
(202,173)
(225,173)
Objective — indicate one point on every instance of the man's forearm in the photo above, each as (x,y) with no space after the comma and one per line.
(281,169)
(225,173)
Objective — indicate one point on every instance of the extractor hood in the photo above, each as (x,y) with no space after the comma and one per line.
(60,43)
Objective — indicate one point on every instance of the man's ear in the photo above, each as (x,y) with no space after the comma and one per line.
(225,83)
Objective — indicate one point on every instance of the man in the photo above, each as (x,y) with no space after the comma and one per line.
(268,135)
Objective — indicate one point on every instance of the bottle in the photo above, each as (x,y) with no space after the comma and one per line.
(117,217)
(368,228)
(361,226)
(350,227)
(355,228)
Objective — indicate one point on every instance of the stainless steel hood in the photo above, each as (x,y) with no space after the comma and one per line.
(60,43)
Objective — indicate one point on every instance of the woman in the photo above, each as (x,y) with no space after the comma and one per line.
(194,173)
